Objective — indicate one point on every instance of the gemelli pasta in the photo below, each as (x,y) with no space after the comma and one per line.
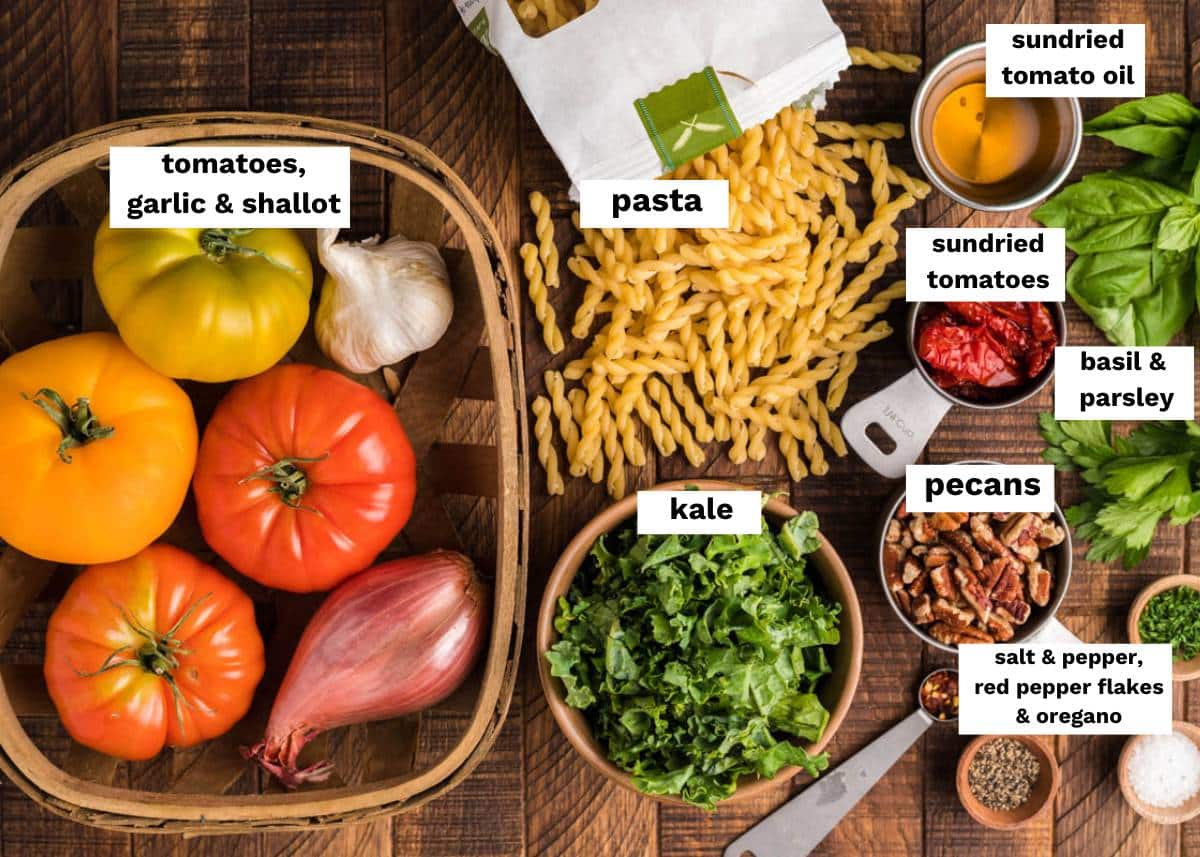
(744,336)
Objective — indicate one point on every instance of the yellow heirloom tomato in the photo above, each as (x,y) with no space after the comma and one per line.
(96,450)
(205,304)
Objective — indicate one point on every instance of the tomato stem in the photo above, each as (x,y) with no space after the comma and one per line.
(158,654)
(219,243)
(290,479)
(79,426)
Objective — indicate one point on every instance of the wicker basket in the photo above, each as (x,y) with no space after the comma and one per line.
(472,494)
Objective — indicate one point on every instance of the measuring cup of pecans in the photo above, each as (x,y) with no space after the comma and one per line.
(980,577)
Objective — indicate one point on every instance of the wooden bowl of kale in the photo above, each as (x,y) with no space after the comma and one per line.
(700,669)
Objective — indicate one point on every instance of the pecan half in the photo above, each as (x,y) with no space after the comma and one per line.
(922,612)
(955,636)
(893,554)
(937,556)
(1000,628)
(1008,587)
(1016,612)
(942,521)
(985,536)
(943,585)
(951,614)
(972,592)
(1040,584)
(960,544)
(921,529)
(992,572)
(919,585)
(1049,534)
(1015,527)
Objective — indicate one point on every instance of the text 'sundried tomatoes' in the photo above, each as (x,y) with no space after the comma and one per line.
(303,477)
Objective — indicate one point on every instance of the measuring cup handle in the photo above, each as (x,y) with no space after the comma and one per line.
(908,411)
(797,827)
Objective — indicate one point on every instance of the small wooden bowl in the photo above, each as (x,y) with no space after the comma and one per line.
(837,691)
(1186,811)
(1181,670)
(1039,802)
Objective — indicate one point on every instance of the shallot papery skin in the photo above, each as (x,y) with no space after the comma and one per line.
(395,639)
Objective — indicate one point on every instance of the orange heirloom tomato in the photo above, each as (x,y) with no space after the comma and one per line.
(303,477)
(156,650)
(96,450)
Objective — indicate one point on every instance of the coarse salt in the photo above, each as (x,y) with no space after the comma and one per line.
(1164,770)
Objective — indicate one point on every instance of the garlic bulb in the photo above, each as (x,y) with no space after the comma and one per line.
(381,302)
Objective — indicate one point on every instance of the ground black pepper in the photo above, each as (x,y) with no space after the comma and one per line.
(1003,774)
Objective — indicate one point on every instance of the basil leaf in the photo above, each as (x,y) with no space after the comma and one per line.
(1109,212)
(1111,279)
(1162,313)
(1104,285)
(1167,109)
(1168,171)
(1191,158)
(1135,297)
(1155,140)
(1179,228)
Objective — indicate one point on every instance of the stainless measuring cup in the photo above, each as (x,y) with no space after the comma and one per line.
(1042,628)
(798,827)
(908,411)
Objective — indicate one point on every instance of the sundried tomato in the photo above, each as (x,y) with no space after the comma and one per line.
(977,350)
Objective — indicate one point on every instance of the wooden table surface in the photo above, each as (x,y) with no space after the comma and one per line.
(409,66)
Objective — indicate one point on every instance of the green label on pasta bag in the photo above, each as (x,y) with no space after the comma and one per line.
(480,29)
(688,118)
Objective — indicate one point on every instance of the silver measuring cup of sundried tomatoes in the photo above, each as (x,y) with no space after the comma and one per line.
(985,356)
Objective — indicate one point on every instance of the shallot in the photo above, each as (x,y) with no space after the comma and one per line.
(393,640)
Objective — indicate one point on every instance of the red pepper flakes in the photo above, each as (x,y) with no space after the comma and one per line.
(939,695)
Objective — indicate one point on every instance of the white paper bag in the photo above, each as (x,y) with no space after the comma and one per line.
(632,88)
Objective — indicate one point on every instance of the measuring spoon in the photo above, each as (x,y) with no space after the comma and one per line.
(798,827)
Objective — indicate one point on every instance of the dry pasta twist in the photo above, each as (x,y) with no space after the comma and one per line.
(566,419)
(846,131)
(543,432)
(614,452)
(670,416)
(542,310)
(578,400)
(544,230)
(907,63)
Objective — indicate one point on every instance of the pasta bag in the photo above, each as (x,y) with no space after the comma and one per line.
(631,89)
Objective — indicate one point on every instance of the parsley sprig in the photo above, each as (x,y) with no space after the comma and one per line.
(1132,482)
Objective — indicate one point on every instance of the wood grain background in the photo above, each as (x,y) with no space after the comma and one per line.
(410,66)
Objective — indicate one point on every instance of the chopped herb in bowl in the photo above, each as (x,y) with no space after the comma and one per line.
(697,659)
(1173,616)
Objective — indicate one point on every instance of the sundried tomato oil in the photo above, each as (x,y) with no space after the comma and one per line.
(989,140)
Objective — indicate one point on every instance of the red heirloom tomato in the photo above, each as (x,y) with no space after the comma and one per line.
(152,651)
(303,477)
